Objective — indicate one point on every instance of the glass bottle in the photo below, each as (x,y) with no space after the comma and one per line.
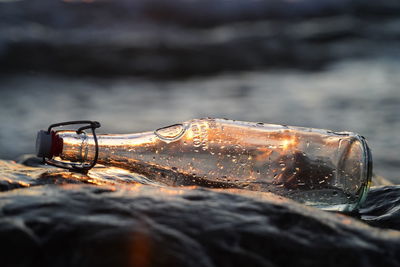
(321,168)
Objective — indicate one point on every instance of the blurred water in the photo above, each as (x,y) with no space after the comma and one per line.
(356,95)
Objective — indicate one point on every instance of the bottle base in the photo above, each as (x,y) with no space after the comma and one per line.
(332,199)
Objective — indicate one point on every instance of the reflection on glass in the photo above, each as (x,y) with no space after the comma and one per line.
(313,166)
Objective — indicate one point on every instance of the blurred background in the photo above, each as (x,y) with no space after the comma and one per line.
(137,65)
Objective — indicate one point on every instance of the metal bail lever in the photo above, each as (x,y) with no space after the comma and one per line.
(76,167)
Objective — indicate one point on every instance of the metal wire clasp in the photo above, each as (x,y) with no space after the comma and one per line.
(81,167)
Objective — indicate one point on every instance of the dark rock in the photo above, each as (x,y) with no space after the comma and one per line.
(381,208)
(30,160)
(106,219)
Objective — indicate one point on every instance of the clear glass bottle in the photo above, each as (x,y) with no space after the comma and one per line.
(321,168)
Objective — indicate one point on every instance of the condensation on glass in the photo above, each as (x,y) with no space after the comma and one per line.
(321,168)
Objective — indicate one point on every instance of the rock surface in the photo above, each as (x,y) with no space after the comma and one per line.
(111,217)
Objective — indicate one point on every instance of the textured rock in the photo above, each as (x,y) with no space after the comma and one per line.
(111,218)
(382,207)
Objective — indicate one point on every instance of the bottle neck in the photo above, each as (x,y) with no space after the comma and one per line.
(81,147)
(143,153)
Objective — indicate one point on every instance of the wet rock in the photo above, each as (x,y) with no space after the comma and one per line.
(111,218)
(381,208)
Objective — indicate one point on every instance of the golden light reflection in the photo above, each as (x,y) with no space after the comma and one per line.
(281,147)
(133,187)
(171,191)
(112,176)
(289,142)
(23,184)
(141,251)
